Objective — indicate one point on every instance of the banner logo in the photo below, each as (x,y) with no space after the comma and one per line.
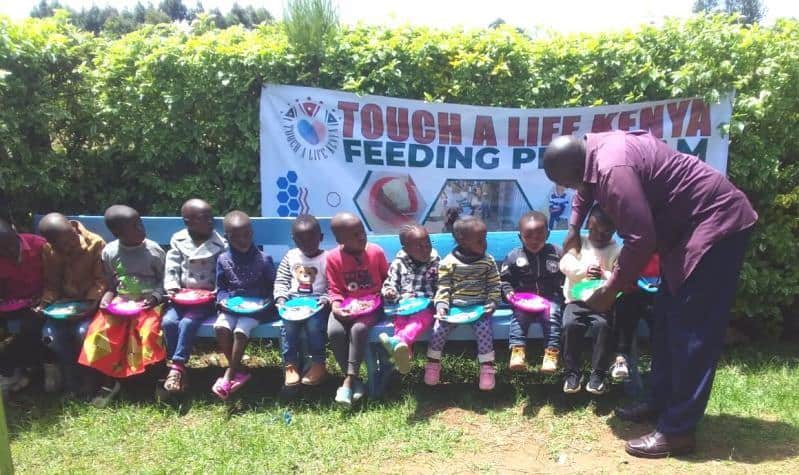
(312,131)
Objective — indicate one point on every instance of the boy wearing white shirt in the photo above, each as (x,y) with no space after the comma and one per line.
(595,260)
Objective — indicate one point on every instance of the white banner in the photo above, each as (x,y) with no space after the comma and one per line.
(396,160)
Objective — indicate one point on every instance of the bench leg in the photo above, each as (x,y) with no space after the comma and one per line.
(379,370)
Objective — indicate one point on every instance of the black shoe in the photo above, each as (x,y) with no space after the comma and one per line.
(571,384)
(596,383)
(657,445)
(637,412)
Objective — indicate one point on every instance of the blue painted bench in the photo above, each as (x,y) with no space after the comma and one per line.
(274,235)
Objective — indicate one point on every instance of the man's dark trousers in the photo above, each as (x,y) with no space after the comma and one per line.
(688,335)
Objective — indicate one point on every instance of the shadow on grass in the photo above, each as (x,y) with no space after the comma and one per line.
(466,396)
(550,393)
(729,437)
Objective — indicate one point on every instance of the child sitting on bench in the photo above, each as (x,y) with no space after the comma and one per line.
(534,268)
(73,270)
(467,276)
(21,278)
(301,273)
(190,264)
(241,271)
(354,269)
(413,273)
(123,346)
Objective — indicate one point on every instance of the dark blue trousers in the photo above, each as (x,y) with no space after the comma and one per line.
(688,335)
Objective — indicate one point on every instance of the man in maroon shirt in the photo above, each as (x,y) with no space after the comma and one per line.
(21,277)
(666,201)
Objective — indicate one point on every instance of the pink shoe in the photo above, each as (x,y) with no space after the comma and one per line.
(432,373)
(221,388)
(238,381)
(487,381)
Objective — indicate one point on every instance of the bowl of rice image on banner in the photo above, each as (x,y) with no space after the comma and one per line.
(388,201)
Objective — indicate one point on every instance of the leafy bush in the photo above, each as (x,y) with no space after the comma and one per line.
(162,114)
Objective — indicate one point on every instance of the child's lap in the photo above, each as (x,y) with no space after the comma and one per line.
(579,310)
(238,323)
(194,312)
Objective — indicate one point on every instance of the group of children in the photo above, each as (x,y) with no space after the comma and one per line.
(66,262)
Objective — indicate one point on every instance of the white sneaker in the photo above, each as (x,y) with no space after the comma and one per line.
(17,381)
(619,370)
(52,377)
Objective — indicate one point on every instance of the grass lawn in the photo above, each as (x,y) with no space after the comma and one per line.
(526,425)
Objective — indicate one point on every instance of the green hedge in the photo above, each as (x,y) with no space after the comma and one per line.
(162,114)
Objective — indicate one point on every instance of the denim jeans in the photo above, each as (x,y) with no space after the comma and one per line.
(180,325)
(316,331)
(64,338)
(520,324)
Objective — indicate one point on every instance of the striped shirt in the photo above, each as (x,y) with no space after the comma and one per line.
(463,281)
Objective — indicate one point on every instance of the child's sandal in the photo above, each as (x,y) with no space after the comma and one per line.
(221,388)
(238,381)
(174,380)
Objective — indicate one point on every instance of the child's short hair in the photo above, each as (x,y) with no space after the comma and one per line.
(194,203)
(116,216)
(600,215)
(463,225)
(407,229)
(342,220)
(235,218)
(534,216)
(304,222)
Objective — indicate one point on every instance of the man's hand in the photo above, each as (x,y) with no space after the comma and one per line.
(441,312)
(280,301)
(489,308)
(572,240)
(601,300)
(594,272)
(509,296)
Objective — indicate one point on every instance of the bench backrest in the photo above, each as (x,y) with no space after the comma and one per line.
(274,234)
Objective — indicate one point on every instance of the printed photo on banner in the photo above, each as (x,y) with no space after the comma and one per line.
(500,203)
(560,201)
